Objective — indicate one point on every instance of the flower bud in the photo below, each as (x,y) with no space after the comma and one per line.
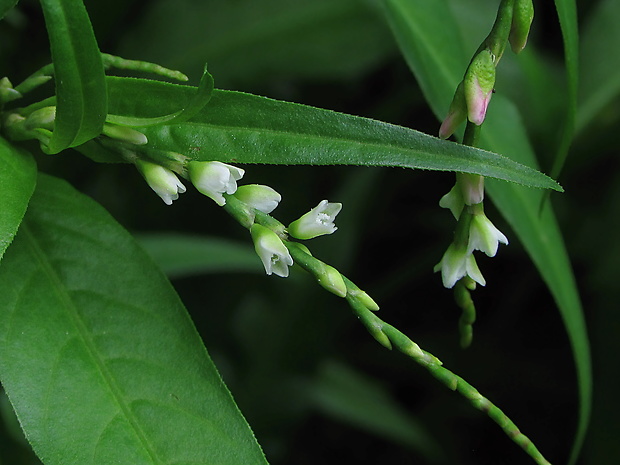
(263,198)
(331,279)
(456,114)
(317,222)
(273,253)
(522,17)
(163,181)
(471,186)
(124,133)
(478,85)
(41,118)
(7,92)
(213,178)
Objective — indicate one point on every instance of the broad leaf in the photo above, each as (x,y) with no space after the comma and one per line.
(180,255)
(503,133)
(244,128)
(79,74)
(97,354)
(18,175)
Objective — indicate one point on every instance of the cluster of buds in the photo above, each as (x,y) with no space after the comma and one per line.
(218,181)
(473,94)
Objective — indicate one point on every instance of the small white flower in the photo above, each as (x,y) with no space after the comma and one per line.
(263,198)
(318,221)
(163,181)
(214,178)
(453,200)
(456,263)
(484,236)
(271,250)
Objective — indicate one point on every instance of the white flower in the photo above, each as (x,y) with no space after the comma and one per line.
(271,250)
(163,181)
(453,200)
(263,198)
(484,236)
(213,178)
(456,263)
(318,221)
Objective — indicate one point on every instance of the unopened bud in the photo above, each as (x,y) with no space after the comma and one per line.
(124,133)
(522,17)
(331,279)
(478,83)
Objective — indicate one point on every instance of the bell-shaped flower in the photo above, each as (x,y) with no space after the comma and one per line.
(273,253)
(484,236)
(317,222)
(214,178)
(453,200)
(456,114)
(263,198)
(478,86)
(456,263)
(163,181)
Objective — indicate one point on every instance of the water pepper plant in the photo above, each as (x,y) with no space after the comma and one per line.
(99,358)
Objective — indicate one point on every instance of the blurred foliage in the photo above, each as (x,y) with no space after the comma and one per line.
(292,355)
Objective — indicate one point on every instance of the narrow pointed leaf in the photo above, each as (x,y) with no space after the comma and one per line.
(599,80)
(97,354)
(201,97)
(567,13)
(79,74)
(503,132)
(18,175)
(243,128)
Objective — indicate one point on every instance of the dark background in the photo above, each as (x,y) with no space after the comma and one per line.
(314,386)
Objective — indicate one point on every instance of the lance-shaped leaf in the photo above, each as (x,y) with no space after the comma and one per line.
(244,128)
(97,353)
(78,69)
(18,175)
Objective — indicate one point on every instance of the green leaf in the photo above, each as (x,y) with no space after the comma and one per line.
(97,353)
(180,255)
(79,74)
(201,97)
(248,42)
(599,80)
(244,128)
(353,397)
(567,13)
(5,6)
(503,133)
(18,176)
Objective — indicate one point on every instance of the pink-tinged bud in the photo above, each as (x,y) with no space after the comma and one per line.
(478,85)
(472,187)
(522,17)
(456,114)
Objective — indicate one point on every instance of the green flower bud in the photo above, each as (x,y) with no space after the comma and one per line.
(478,85)
(124,133)
(331,279)
(522,17)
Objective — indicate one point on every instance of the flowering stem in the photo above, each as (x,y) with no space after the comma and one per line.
(364,308)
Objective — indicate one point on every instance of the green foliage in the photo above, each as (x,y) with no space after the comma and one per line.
(116,338)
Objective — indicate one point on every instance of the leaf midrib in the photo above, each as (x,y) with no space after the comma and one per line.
(83,334)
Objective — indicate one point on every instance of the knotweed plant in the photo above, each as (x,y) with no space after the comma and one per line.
(89,326)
